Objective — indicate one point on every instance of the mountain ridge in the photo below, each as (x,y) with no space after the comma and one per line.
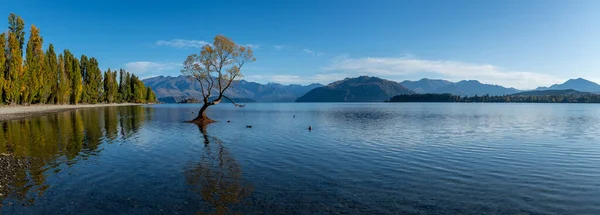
(185,87)
(579,84)
(462,88)
(358,89)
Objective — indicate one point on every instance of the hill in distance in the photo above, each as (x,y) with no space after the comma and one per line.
(359,89)
(462,88)
(425,85)
(185,87)
(578,84)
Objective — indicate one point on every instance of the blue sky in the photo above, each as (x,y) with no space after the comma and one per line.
(516,43)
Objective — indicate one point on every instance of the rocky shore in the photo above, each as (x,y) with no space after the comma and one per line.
(9,166)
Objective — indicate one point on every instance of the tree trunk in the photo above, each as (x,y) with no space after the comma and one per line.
(202,119)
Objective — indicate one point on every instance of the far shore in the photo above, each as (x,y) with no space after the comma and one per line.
(8,112)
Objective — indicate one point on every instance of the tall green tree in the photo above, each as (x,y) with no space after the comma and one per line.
(16,25)
(34,69)
(138,94)
(64,83)
(83,67)
(51,74)
(76,80)
(2,65)
(110,86)
(114,88)
(128,88)
(150,96)
(106,85)
(121,90)
(93,81)
(14,70)
(73,72)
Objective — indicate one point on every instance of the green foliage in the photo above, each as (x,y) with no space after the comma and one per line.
(150,96)
(51,75)
(93,82)
(73,71)
(14,71)
(110,86)
(83,67)
(16,26)
(64,83)
(122,86)
(34,69)
(138,92)
(2,64)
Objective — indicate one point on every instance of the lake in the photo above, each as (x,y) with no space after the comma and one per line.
(377,158)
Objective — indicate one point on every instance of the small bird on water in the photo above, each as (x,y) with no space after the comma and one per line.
(309,128)
(228,121)
(248,126)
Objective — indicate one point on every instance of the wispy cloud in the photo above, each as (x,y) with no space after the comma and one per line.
(278,47)
(253,46)
(313,53)
(452,70)
(147,69)
(181,43)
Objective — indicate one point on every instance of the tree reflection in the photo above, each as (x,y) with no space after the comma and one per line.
(217,177)
(132,119)
(30,148)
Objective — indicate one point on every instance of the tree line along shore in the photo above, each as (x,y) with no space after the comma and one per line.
(42,77)
(564,98)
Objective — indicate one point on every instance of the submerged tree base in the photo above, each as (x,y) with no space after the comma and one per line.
(201,121)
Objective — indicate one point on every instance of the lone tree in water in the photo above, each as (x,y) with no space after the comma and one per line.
(216,68)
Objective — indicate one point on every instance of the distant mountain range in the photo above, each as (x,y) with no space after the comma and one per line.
(360,89)
(462,88)
(170,89)
(579,84)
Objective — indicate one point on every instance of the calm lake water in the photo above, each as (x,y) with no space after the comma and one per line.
(411,158)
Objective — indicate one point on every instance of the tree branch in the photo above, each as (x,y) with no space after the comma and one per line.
(231,100)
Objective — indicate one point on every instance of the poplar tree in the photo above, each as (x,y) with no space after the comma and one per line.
(128,88)
(16,25)
(110,86)
(76,80)
(64,84)
(106,85)
(2,65)
(138,94)
(114,89)
(93,81)
(34,72)
(150,96)
(83,67)
(50,91)
(14,70)
(124,86)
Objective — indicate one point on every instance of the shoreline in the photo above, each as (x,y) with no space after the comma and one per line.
(20,112)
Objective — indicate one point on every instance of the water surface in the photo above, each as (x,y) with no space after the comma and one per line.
(409,158)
